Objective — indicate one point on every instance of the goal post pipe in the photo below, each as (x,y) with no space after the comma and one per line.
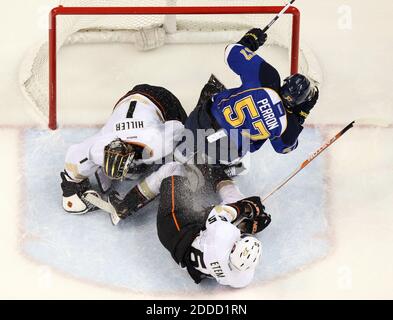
(60,11)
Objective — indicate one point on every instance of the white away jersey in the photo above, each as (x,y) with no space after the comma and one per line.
(211,249)
(135,120)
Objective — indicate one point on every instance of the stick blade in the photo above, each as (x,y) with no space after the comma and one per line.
(103,205)
(375,122)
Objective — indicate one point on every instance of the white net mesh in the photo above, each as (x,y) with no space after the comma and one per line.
(152,31)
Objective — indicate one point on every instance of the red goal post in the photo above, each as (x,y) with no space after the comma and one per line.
(59,11)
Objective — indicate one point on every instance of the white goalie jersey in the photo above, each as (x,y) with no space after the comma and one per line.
(135,120)
(212,247)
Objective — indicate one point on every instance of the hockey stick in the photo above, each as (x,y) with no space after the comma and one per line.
(311,158)
(278,16)
(107,207)
(376,122)
(103,205)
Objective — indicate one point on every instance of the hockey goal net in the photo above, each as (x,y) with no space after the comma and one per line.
(150,24)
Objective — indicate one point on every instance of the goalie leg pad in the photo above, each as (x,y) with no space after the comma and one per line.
(73,202)
(75,205)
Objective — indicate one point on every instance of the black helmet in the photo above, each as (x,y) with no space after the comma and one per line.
(296,89)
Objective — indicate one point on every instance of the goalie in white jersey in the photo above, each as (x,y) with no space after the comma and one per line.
(217,243)
(143,129)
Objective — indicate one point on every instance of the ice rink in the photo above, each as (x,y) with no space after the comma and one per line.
(332,230)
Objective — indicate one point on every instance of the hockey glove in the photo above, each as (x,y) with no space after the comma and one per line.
(132,202)
(252,217)
(303,110)
(73,195)
(253,39)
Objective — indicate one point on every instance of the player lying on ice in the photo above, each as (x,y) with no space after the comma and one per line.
(142,130)
(260,109)
(217,242)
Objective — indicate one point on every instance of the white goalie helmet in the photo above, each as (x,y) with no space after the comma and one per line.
(246,253)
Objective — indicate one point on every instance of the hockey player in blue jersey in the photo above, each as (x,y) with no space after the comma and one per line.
(260,109)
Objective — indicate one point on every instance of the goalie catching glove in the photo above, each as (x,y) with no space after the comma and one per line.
(251,215)
(253,39)
(73,201)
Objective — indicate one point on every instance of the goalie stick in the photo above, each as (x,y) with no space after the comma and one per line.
(103,205)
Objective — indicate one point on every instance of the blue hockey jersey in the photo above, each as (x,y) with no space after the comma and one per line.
(256,112)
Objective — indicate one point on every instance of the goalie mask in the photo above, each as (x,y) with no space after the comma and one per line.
(118,158)
(296,90)
(246,253)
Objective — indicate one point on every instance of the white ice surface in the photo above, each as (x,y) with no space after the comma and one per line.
(89,247)
(358,173)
